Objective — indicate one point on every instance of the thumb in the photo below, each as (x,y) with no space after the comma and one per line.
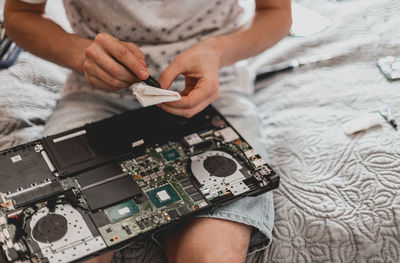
(170,74)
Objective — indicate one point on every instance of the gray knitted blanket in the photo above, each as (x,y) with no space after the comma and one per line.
(339,195)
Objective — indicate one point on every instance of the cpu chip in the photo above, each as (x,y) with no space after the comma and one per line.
(163,196)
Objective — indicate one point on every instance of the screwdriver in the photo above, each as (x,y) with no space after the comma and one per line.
(151,81)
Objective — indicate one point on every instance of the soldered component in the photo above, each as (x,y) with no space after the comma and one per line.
(250,153)
(265,171)
(173,213)
(166,215)
(158,149)
(196,197)
(146,178)
(163,196)
(121,211)
(258,162)
(191,190)
(161,173)
(183,210)
(171,155)
(228,134)
(185,182)
(192,139)
(153,176)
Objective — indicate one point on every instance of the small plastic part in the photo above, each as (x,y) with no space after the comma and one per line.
(362,123)
(390,67)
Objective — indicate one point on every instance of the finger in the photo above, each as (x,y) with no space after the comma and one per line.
(92,69)
(204,91)
(187,113)
(118,51)
(99,84)
(170,74)
(97,54)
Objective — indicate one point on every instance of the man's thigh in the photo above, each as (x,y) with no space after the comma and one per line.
(80,108)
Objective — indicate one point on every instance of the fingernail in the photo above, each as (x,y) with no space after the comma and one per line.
(143,74)
(143,62)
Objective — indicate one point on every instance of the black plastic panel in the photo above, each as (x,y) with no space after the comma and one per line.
(111,192)
(111,139)
(22,167)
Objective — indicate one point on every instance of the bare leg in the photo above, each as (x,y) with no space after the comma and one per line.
(105,258)
(208,240)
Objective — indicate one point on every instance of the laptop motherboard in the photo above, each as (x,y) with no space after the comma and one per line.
(71,196)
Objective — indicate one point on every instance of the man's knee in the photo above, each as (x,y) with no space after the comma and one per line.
(105,258)
(205,240)
(227,256)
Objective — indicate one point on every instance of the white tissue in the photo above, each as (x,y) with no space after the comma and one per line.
(363,123)
(148,95)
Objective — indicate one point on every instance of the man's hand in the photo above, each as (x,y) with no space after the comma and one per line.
(200,65)
(108,63)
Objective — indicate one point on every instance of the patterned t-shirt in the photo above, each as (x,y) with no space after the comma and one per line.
(161,28)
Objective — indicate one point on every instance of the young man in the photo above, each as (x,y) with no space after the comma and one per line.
(201,40)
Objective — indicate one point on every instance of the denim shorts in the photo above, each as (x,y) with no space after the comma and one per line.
(81,107)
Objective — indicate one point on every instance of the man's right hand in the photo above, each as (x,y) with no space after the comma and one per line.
(107,61)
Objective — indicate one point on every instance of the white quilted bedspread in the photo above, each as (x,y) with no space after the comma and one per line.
(339,195)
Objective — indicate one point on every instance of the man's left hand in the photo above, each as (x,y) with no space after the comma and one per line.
(200,65)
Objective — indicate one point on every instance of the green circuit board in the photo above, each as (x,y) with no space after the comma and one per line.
(162,174)
(170,181)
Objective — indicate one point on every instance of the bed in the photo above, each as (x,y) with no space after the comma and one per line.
(339,196)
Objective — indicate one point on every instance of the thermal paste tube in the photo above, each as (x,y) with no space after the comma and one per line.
(362,123)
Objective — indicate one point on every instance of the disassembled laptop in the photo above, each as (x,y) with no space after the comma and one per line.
(71,196)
